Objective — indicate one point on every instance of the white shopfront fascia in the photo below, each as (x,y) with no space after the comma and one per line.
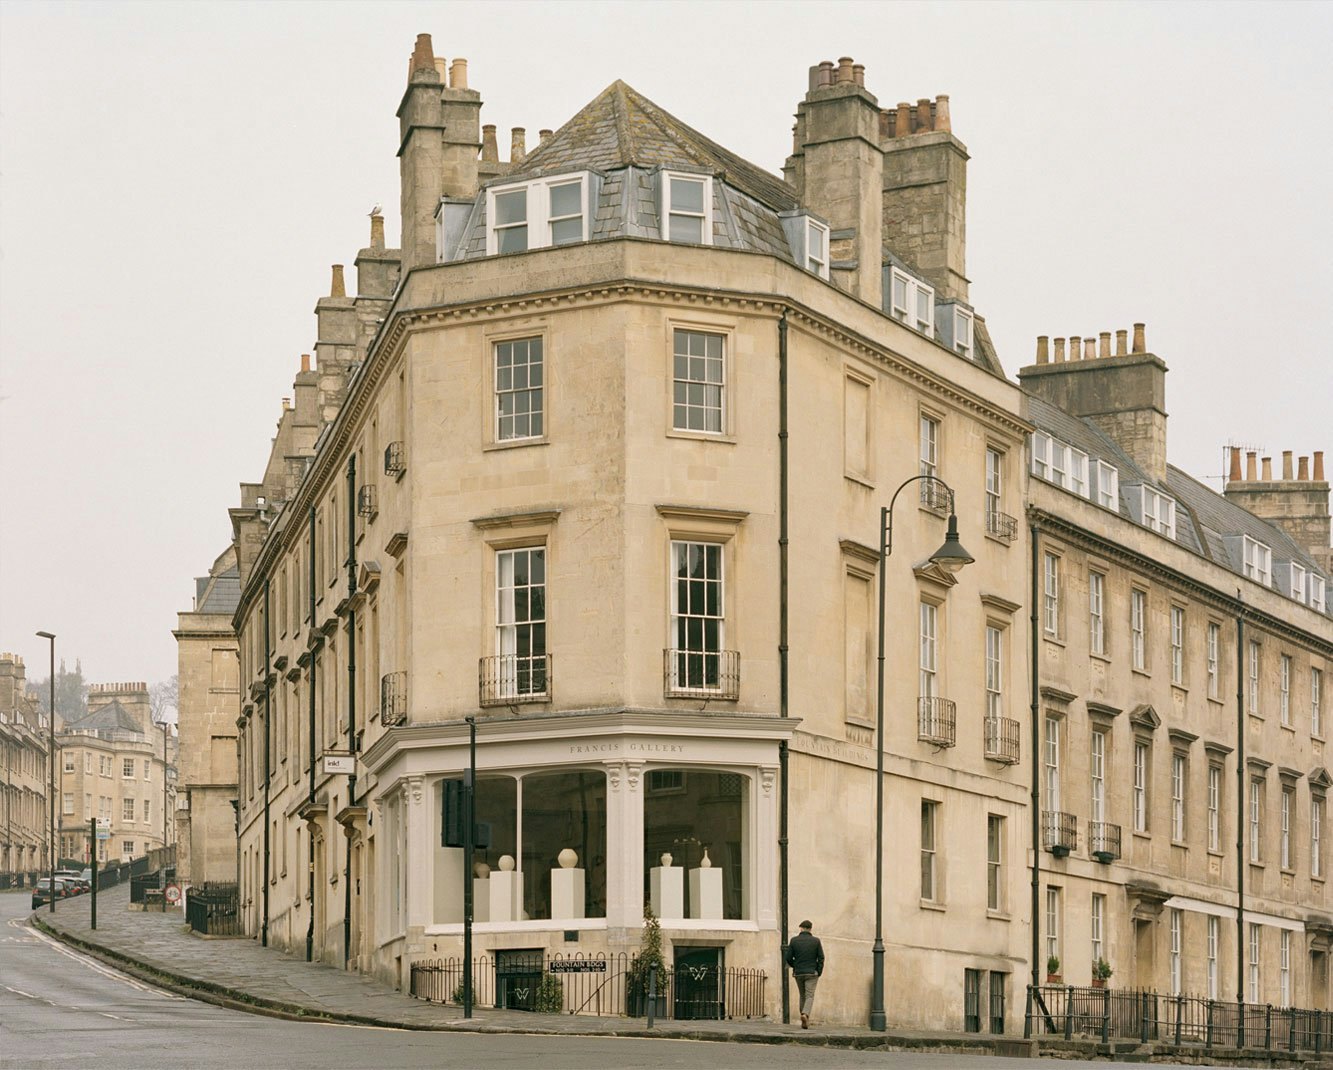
(626,746)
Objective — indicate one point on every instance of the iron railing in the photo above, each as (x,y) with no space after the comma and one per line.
(1059,832)
(701,674)
(604,985)
(934,497)
(1001,525)
(1147,1016)
(367,504)
(213,908)
(936,721)
(1002,734)
(508,679)
(393,699)
(1103,841)
(395,461)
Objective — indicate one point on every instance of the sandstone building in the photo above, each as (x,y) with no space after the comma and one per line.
(596,458)
(25,775)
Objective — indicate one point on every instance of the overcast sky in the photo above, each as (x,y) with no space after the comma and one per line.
(176,179)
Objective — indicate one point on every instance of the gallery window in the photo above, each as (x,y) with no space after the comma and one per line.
(698,830)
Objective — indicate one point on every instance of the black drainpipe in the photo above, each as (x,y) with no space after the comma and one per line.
(1240,801)
(310,885)
(351,695)
(1034,733)
(268,760)
(784,686)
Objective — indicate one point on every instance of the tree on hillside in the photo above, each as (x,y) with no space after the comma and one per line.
(71,691)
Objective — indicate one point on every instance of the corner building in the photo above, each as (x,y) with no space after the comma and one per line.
(597,458)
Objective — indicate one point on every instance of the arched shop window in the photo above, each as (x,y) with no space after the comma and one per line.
(700,819)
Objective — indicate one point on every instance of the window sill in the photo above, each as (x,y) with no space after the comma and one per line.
(702,436)
(998,915)
(933,904)
(1053,639)
(1215,853)
(1258,865)
(1144,835)
(1105,659)
(938,512)
(1317,878)
(1006,543)
(1181,688)
(1216,701)
(1288,727)
(1141,672)
(516,443)
(1181,844)
(860,480)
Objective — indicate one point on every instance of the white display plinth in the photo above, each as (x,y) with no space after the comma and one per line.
(448,884)
(705,893)
(506,895)
(481,899)
(666,887)
(567,887)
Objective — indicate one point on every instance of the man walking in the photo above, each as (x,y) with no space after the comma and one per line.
(805,956)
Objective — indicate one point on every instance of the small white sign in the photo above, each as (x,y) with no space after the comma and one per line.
(335,764)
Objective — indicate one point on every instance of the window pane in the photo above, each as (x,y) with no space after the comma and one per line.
(512,240)
(687,195)
(687,229)
(566,231)
(566,199)
(511,207)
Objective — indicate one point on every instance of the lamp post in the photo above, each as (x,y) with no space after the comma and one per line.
(951,557)
(51,724)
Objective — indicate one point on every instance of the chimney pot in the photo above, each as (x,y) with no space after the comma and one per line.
(458,74)
(1043,349)
(442,68)
(1090,348)
(1267,463)
(1286,464)
(1318,466)
(338,288)
(942,121)
(885,124)
(813,83)
(305,362)
(844,69)
(825,73)
(490,151)
(1105,347)
(1059,351)
(377,231)
(423,59)
(1251,466)
(517,144)
(1303,470)
(1139,345)
(1121,342)
(542,135)
(923,122)
(1234,475)
(1075,346)
(902,119)
(858,74)
(286,404)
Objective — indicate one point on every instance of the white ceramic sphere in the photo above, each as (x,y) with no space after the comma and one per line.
(568,858)
(506,863)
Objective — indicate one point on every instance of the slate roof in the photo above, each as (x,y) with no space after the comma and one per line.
(107,718)
(1204,519)
(220,593)
(623,128)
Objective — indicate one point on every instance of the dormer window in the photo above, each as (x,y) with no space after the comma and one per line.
(1317,593)
(687,202)
(535,215)
(1107,477)
(816,248)
(962,332)
(1041,455)
(1078,472)
(1258,561)
(1297,586)
(1159,512)
(912,302)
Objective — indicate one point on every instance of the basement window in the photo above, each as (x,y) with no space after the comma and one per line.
(536,215)
(912,302)
(1258,561)
(687,202)
(1159,512)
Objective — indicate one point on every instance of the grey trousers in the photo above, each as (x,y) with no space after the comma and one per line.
(805,986)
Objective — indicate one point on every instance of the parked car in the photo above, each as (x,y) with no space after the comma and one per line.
(41,892)
(74,881)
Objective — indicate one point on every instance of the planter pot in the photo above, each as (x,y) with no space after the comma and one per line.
(1054,979)
(1098,982)
(1104,857)
(1059,851)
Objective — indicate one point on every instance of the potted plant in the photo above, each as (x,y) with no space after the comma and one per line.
(638,975)
(550,997)
(1101,973)
(1053,971)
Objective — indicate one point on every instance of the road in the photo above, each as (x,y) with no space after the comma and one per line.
(60,1008)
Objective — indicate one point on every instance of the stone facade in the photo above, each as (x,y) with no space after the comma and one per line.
(26,773)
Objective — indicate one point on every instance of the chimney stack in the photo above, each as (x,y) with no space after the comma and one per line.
(1298,505)
(377,232)
(517,144)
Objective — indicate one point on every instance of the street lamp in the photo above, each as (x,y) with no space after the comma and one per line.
(51,724)
(951,557)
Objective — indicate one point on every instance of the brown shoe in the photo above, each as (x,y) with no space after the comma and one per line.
(805,1021)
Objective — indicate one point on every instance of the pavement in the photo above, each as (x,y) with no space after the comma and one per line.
(239,973)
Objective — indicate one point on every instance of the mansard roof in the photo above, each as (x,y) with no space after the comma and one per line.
(107,718)
(623,128)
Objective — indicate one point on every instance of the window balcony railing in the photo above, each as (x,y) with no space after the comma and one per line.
(393,699)
(1001,525)
(1103,841)
(701,674)
(1059,832)
(366,504)
(395,460)
(936,721)
(510,679)
(934,497)
(1001,739)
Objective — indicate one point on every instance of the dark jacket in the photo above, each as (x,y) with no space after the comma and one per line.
(805,954)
